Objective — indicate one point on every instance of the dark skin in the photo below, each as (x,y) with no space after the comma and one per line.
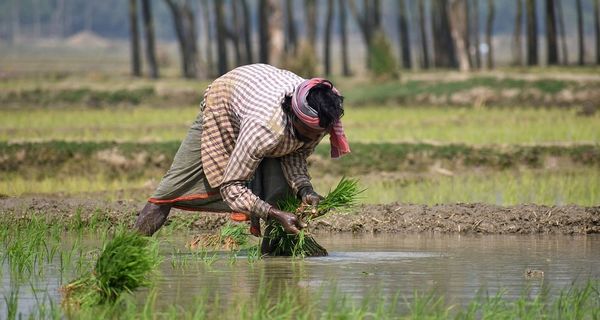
(289,221)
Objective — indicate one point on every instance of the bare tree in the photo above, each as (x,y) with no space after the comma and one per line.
(291,43)
(489,30)
(404,35)
(343,38)
(532,38)
(311,21)
(222,66)
(208,29)
(563,36)
(276,33)
(236,33)
(423,31)
(517,35)
(580,39)
(551,40)
(149,33)
(185,29)
(247,31)
(263,31)
(368,22)
(443,53)
(136,69)
(597,28)
(458,19)
(327,38)
(476,34)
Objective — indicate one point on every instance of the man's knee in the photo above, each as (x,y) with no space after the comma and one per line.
(151,218)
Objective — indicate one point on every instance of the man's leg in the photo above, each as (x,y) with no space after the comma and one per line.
(270,184)
(151,218)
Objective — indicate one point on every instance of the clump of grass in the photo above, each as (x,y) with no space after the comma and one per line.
(344,195)
(230,237)
(125,264)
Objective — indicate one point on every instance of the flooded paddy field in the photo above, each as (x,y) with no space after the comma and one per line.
(396,270)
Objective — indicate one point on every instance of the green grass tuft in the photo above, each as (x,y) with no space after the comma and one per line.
(126,263)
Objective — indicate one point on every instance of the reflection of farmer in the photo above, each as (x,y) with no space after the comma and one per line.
(248,147)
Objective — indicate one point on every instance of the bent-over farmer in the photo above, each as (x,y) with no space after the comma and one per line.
(248,146)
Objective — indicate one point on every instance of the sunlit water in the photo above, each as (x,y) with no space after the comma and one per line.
(457,267)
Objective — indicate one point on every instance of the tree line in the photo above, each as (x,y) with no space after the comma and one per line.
(299,34)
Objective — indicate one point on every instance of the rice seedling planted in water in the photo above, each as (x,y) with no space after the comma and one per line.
(278,243)
(125,264)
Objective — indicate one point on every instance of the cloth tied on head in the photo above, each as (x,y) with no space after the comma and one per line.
(310,117)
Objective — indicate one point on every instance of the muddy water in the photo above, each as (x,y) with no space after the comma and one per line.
(455,266)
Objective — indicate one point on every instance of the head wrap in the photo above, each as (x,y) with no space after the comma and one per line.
(310,117)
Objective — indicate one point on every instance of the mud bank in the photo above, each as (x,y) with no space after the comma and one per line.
(390,218)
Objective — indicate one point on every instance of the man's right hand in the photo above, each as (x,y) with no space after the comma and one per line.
(290,222)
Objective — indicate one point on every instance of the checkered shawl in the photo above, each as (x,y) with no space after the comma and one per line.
(244,123)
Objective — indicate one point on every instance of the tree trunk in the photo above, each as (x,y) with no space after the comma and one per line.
(291,43)
(208,29)
(247,32)
(222,66)
(597,28)
(276,33)
(532,39)
(237,32)
(580,39)
(423,31)
(444,54)
(134,35)
(551,33)
(344,38)
(476,34)
(457,13)
(263,32)
(561,28)
(327,38)
(489,30)
(149,33)
(404,35)
(185,29)
(311,22)
(517,41)
(365,24)
(468,31)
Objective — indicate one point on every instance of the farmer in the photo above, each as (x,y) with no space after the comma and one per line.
(247,148)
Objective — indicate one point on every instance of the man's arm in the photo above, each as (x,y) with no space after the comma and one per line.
(253,142)
(295,169)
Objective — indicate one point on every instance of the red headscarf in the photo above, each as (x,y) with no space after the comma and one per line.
(310,117)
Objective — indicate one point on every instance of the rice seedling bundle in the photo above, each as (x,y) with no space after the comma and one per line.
(126,263)
(279,243)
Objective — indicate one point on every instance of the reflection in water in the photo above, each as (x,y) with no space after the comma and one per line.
(455,266)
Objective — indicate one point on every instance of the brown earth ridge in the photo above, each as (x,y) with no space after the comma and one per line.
(390,218)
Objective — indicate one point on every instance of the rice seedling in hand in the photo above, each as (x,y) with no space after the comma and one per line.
(126,263)
(278,243)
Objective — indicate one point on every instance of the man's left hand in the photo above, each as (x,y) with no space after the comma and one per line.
(309,196)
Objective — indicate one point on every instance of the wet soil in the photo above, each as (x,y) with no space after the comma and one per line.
(388,218)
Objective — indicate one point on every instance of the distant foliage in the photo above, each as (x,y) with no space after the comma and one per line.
(383,63)
(304,62)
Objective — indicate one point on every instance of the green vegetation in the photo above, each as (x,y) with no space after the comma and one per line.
(343,196)
(374,124)
(549,187)
(126,263)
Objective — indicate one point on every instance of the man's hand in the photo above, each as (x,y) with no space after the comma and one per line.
(291,224)
(309,196)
